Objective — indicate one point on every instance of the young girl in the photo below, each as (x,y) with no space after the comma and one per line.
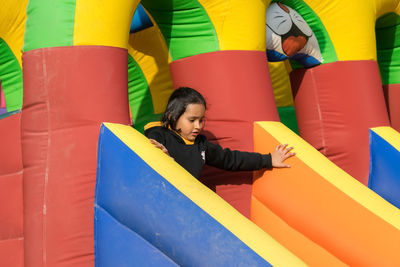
(178,135)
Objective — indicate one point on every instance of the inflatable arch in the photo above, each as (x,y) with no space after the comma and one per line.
(81,68)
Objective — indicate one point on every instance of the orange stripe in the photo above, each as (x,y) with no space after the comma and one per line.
(298,244)
(324,214)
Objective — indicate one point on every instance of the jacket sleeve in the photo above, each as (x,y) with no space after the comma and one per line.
(233,160)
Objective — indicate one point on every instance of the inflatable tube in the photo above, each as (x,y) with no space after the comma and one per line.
(335,114)
(59,145)
(11,194)
(62,112)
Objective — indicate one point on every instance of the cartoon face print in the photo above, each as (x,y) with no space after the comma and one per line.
(289,35)
(287,23)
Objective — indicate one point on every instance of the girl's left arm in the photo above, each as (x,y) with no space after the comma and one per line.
(234,160)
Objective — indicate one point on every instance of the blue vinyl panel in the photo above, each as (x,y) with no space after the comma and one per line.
(117,245)
(384,175)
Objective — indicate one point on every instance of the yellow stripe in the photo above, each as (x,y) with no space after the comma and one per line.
(187,142)
(158,123)
(12,25)
(358,17)
(103,22)
(357,42)
(281,83)
(386,6)
(240,25)
(389,134)
(231,219)
(333,174)
(149,50)
(152,124)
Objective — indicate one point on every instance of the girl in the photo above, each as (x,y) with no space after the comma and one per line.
(178,135)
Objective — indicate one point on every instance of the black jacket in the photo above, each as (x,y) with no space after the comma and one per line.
(193,157)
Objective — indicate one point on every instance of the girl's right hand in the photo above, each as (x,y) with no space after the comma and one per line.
(281,153)
(159,145)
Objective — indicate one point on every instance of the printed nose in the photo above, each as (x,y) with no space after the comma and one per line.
(293,44)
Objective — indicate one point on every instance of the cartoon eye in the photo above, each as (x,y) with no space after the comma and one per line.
(300,22)
(278,20)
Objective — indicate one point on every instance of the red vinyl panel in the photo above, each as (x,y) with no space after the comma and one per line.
(68,93)
(11,200)
(12,253)
(10,144)
(238,91)
(336,104)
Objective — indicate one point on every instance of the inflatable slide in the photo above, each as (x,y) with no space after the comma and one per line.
(328,70)
(315,210)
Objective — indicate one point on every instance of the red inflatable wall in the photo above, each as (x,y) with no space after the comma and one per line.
(11,208)
(336,104)
(68,93)
(238,90)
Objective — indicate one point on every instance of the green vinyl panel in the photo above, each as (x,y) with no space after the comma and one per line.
(11,77)
(185,25)
(49,23)
(387,30)
(140,99)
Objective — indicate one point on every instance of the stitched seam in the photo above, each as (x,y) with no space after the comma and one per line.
(323,150)
(46,174)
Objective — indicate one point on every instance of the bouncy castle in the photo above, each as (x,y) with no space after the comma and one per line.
(82,186)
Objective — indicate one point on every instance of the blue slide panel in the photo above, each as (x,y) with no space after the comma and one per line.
(145,202)
(8,114)
(117,245)
(140,20)
(384,175)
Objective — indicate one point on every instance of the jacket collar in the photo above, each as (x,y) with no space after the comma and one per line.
(158,123)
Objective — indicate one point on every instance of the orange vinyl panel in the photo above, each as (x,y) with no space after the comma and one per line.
(308,251)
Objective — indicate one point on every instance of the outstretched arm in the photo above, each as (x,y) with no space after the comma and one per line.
(234,160)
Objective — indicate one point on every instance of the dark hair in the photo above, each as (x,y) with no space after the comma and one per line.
(177,103)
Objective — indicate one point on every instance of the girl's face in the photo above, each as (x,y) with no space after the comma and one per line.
(190,123)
